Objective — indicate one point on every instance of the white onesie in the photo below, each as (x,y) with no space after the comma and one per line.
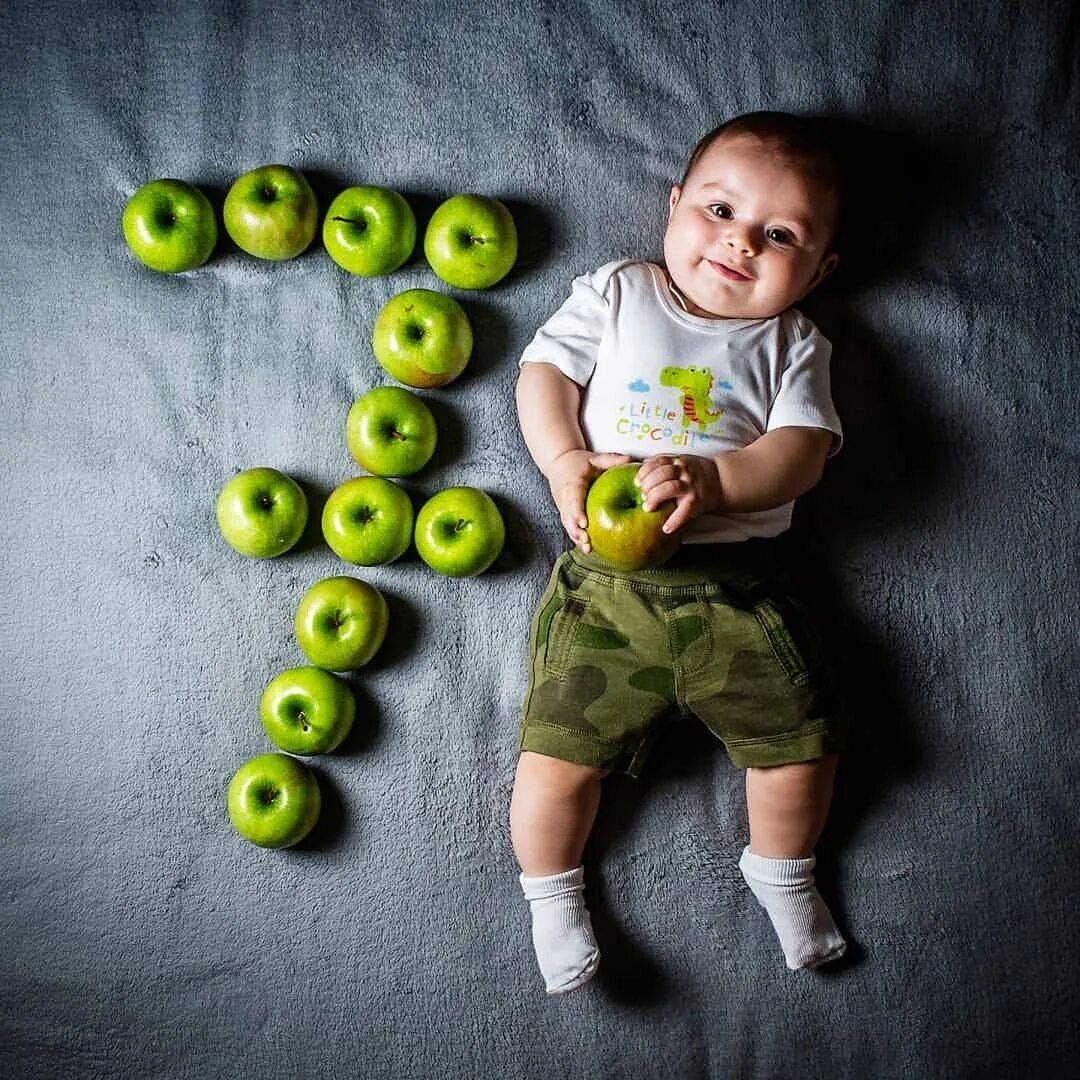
(657,380)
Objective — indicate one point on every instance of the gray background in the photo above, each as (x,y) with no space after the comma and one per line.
(141,936)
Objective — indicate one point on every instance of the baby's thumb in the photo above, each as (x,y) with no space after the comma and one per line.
(608,461)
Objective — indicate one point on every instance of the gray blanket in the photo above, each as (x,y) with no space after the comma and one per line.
(141,936)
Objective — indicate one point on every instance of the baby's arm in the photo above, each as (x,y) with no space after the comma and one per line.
(548,405)
(774,469)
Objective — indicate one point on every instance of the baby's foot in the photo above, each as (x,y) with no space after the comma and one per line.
(562,930)
(785,889)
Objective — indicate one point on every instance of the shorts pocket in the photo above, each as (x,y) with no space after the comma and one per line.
(560,636)
(778,632)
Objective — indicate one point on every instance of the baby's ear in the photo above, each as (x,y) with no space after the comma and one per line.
(676,192)
(828,265)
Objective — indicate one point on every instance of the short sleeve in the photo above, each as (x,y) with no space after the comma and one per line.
(571,337)
(805,396)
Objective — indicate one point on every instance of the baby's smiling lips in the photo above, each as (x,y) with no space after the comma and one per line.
(728,272)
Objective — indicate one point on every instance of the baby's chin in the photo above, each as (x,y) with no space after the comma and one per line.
(722,304)
(713,308)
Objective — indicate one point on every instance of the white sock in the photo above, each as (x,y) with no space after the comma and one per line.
(561,929)
(785,889)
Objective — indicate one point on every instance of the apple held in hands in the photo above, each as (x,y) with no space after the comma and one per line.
(621,531)
(274,800)
(471,241)
(170,226)
(368,521)
(391,432)
(422,338)
(341,623)
(271,212)
(460,532)
(306,710)
(369,230)
(261,512)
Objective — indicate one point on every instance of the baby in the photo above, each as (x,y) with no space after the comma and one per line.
(703,368)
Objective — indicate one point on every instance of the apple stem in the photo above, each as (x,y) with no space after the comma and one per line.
(461,524)
(352,221)
(397,435)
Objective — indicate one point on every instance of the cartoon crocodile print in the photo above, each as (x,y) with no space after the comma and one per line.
(695,384)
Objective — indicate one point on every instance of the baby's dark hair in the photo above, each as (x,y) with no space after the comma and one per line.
(805,140)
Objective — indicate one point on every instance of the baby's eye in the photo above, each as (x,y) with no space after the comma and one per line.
(779,236)
(721,210)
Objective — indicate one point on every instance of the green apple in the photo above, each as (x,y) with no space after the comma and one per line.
(368,521)
(471,241)
(460,532)
(422,338)
(274,800)
(341,623)
(170,226)
(621,531)
(369,230)
(262,512)
(306,710)
(271,212)
(391,432)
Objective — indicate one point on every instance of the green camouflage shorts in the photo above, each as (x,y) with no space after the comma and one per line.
(613,655)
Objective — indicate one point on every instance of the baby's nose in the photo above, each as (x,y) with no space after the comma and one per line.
(742,240)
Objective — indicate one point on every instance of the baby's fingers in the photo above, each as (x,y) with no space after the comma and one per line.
(575,529)
(571,505)
(677,518)
(574,522)
(655,495)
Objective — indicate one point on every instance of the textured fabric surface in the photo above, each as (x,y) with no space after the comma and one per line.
(141,936)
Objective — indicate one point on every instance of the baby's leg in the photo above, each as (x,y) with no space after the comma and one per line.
(551,815)
(787,806)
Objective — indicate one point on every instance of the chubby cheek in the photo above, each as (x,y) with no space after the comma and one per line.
(671,248)
(682,238)
(791,284)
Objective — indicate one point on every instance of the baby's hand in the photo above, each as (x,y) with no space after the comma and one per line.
(569,477)
(692,481)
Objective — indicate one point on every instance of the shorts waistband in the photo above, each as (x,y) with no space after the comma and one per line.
(692,563)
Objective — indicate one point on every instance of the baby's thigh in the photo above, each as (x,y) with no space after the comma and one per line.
(600,673)
(765,693)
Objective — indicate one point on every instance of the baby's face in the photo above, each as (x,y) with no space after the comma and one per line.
(748,233)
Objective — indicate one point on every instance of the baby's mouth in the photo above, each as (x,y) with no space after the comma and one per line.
(727,272)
